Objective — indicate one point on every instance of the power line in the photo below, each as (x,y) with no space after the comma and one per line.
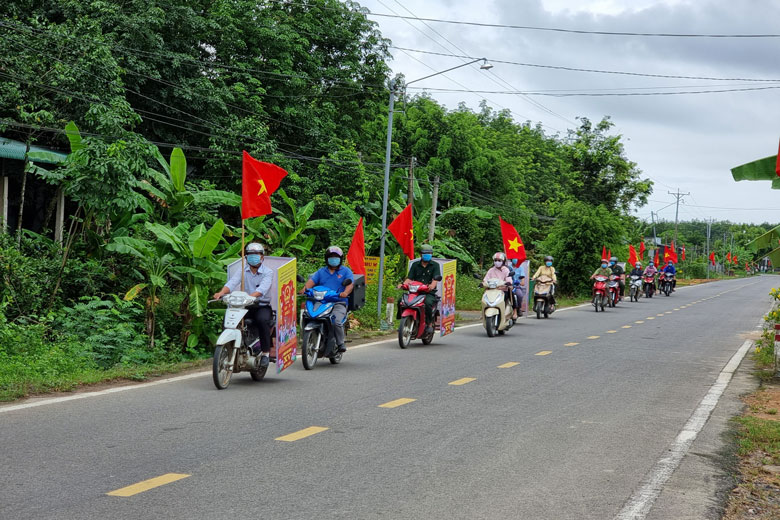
(608,94)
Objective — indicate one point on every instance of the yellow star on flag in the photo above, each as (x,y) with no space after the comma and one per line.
(514,244)
(262,187)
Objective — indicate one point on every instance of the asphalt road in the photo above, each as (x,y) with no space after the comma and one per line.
(570,431)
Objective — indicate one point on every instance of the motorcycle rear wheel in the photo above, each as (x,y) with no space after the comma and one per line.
(405,331)
(539,310)
(427,339)
(258,374)
(546,310)
(220,371)
(311,351)
(336,359)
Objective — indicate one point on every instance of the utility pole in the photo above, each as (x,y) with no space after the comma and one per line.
(433,208)
(410,195)
(678,195)
(388,147)
(655,238)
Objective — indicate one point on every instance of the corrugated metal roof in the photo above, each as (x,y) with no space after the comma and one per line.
(10,149)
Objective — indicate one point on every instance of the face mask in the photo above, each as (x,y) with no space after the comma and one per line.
(498,263)
(427,257)
(514,261)
(548,264)
(612,263)
(603,265)
(334,261)
(253,260)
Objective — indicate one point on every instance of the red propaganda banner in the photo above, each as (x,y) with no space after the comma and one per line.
(286,333)
(448,270)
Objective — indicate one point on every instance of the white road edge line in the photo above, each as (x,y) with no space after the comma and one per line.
(641,502)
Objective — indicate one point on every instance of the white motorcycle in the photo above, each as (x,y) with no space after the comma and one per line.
(636,288)
(233,353)
(496,308)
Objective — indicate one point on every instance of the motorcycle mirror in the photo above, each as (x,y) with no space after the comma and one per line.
(476,276)
(346,283)
(300,279)
(438,278)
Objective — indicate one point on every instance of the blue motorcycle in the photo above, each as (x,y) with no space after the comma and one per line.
(319,338)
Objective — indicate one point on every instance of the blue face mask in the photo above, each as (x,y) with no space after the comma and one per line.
(548,264)
(514,262)
(612,263)
(254,260)
(603,265)
(334,261)
(427,257)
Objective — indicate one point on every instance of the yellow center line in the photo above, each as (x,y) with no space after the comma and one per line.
(677,309)
(594,337)
(668,312)
(650,318)
(300,434)
(611,331)
(640,321)
(397,403)
(660,315)
(626,327)
(146,485)
(571,344)
(462,381)
(543,353)
(509,365)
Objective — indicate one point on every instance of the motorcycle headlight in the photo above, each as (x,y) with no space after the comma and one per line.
(319,295)
(492,303)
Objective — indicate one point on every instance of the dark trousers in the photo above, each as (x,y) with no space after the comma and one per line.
(261,318)
(430,301)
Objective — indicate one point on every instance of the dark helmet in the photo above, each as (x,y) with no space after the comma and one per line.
(334,251)
(426,248)
(613,259)
(548,258)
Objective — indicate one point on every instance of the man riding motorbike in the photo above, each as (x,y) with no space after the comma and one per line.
(517,272)
(604,270)
(617,270)
(257,282)
(332,276)
(637,270)
(425,271)
(669,268)
(547,270)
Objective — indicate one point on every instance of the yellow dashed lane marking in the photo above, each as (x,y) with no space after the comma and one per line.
(462,381)
(660,315)
(668,312)
(509,365)
(677,309)
(543,353)
(397,403)
(571,344)
(594,337)
(650,318)
(146,485)
(611,331)
(640,321)
(626,327)
(301,434)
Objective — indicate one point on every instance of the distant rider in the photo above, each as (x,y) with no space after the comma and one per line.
(547,270)
(517,271)
(637,270)
(425,271)
(650,271)
(257,282)
(617,270)
(332,276)
(669,268)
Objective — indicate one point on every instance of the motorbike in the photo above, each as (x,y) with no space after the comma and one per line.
(411,309)
(543,301)
(648,283)
(600,292)
(613,290)
(319,335)
(233,353)
(666,283)
(636,288)
(496,307)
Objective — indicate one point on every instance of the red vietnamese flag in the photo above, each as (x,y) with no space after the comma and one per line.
(632,258)
(258,181)
(728,256)
(513,244)
(683,252)
(642,250)
(604,253)
(734,259)
(712,257)
(356,256)
(746,266)
(609,254)
(402,229)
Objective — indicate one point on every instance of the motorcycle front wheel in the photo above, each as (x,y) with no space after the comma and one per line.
(221,371)
(596,301)
(311,348)
(405,330)
(538,310)
(491,325)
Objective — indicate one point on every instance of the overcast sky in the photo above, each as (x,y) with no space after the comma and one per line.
(687,141)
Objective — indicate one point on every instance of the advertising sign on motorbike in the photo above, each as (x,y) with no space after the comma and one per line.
(285,341)
(447,292)
(286,334)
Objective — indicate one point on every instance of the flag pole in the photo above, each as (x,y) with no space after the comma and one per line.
(243,248)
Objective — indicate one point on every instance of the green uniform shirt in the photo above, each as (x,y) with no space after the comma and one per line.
(603,271)
(424,274)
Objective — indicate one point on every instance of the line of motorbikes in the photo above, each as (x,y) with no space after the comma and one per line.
(498,308)
(606,290)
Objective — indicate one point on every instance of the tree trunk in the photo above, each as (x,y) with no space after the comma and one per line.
(21,200)
(186,321)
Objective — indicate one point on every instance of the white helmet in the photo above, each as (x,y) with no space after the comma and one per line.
(254,248)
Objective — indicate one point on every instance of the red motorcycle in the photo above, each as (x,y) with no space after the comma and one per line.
(613,296)
(600,293)
(412,314)
(649,285)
